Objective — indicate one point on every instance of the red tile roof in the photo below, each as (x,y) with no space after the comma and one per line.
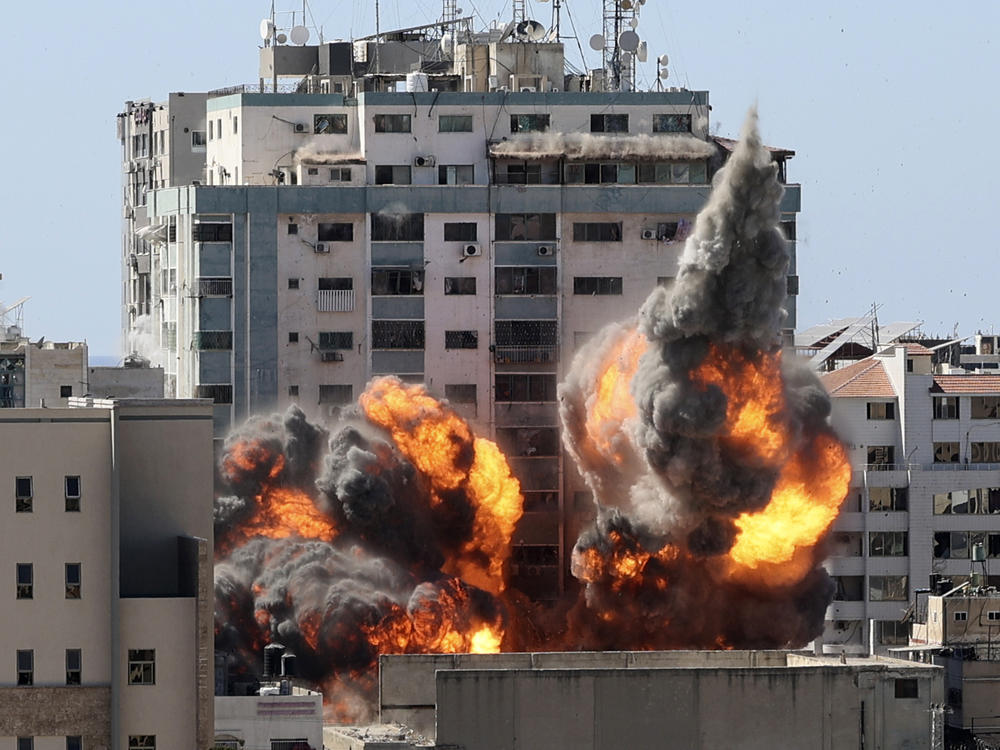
(864,378)
(966,384)
(914,348)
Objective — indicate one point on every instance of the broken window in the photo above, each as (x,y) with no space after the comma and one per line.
(460,231)
(525,280)
(336,340)
(671,123)
(849,588)
(220,394)
(597,285)
(73,667)
(881,410)
(327,124)
(951,544)
(397,281)
(887,498)
(393,174)
(529,441)
(846,544)
(455,124)
(73,580)
(984,453)
(945,407)
(142,666)
(525,387)
(609,123)
(341,231)
(985,407)
(526,332)
(887,589)
(881,457)
(388,227)
(597,231)
(397,334)
(336,394)
(946,453)
(25,580)
(461,339)
(392,123)
(887,544)
(529,123)
(460,285)
(23,494)
(25,667)
(456,174)
(460,393)
(72,492)
(525,227)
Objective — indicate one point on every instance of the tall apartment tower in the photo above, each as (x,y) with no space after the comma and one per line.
(463,215)
(925,495)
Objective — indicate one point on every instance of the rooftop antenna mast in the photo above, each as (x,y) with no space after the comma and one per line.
(378,39)
(449,11)
(620,43)
(518,6)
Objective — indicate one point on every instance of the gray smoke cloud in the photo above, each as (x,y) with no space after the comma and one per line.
(668,483)
(586,146)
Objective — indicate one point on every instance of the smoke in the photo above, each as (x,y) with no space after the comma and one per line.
(142,339)
(588,146)
(317,151)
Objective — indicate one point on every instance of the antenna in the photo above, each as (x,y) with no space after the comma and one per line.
(299,35)
(518,8)
(621,17)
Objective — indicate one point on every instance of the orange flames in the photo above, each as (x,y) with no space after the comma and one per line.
(436,440)
(611,404)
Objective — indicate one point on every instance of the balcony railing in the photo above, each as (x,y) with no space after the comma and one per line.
(335,300)
(213,340)
(950,466)
(523,355)
(215,287)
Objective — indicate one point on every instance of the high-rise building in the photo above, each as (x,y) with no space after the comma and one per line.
(449,209)
(107,622)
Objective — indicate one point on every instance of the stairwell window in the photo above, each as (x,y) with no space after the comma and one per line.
(25,667)
(72,487)
(23,494)
(25,581)
(73,577)
(73,666)
(141,667)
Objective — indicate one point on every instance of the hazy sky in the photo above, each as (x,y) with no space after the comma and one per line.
(889,108)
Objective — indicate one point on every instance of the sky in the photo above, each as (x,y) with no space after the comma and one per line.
(885,105)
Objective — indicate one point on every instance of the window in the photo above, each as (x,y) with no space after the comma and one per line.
(528,441)
(212,232)
(293,337)
(336,283)
(526,332)
(22,494)
(336,340)
(293,283)
(293,228)
(892,632)
(25,581)
(599,231)
(198,139)
(295,744)
(397,227)
(336,232)
(952,545)
(455,124)
(525,280)
(25,743)
(73,666)
(887,498)
(142,742)
(461,393)
(293,391)
(397,281)
(993,615)
(961,616)
(236,124)
(887,544)
(65,391)
(74,742)
(887,589)
(984,453)
(529,123)
(981,500)
(527,387)
(141,667)
(393,174)
(849,588)
(340,174)
(597,285)
(671,123)
(609,123)
(985,407)
(73,580)
(946,453)
(336,394)
(522,173)
(461,339)
(392,123)
(525,227)
(211,130)
(460,285)
(397,334)
(463,231)
(881,457)
(220,393)
(72,487)
(329,123)
(907,688)
(945,407)
(881,410)
(456,174)
(25,667)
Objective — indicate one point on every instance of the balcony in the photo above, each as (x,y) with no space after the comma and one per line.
(524,355)
(212,340)
(214,286)
(335,300)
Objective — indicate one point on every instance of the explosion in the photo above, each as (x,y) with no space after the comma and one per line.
(714,472)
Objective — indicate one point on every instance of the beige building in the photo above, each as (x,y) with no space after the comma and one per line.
(274,722)
(106,531)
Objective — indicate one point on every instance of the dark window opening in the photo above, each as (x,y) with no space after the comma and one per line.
(461,339)
(336,232)
(460,285)
(392,123)
(609,123)
(671,123)
(397,281)
(597,285)
(397,227)
(525,280)
(525,387)
(464,231)
(529,123)
(604,231)
(336,340)
(397,334)
(525,227)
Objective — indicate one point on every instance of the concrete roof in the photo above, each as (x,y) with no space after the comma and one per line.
(865,378)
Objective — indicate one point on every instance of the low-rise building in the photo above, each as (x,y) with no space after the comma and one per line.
(277,722)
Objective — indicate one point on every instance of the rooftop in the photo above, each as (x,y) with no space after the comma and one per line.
(865,378)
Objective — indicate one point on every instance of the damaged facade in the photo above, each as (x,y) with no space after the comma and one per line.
(448,207)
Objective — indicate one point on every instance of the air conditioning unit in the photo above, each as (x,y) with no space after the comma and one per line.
(322,247)
(528,89)
(471,251)
(331,356)
(546,250)
(649,234)
(300,127)
(423,161)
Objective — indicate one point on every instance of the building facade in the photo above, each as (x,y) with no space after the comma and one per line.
(108,630)
(925,448)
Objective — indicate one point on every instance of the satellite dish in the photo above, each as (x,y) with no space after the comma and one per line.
(300,35)
(597,42)
(281,38)
(633,22)
(507,30)
(664,74)
(642,53)
(629,41)
(626,4)
(663,59)
(266,29)
(531,30)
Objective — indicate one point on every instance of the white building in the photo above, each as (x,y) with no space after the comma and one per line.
(468,233)
(925,449)
(271,722)
(108,623)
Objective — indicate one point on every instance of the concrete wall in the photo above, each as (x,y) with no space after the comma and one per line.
(259,720)
(51,714)
(126,382)
(52,367)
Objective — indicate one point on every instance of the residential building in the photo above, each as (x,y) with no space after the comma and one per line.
(467,225)
(279,722)
(925,448)
(108,622)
